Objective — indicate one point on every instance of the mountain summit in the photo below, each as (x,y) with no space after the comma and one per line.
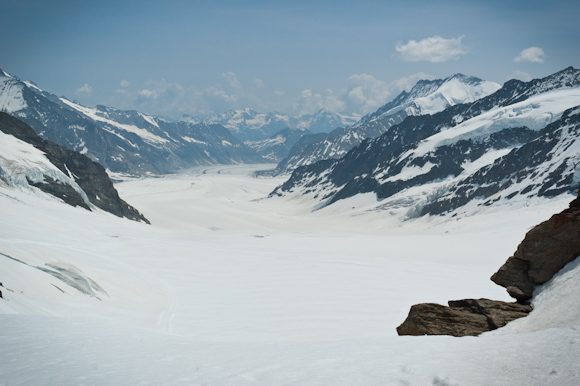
(520,142)
(426,97)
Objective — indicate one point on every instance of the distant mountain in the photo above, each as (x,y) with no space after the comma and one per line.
(28,162)
(426,97)
(278,145)
(250,125)
(521,141)
(121,141)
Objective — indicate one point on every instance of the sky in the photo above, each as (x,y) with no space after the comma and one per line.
(171,57)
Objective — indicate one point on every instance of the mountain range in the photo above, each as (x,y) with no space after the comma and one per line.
(519,142)
(426,97)
(442,147)
(250,125)
(122,141)
(279,144)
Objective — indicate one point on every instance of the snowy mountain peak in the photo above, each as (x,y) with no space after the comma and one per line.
(251,125)
(426,97)
(517,143)
(433,96)
(5,74)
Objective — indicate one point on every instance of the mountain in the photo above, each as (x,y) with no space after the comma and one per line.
(278,145)
(28,161)
(121,141)
(426,97)
(520,142)
(433,96)
(250,125)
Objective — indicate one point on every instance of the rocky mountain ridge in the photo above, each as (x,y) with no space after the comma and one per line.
(121,141)
(521,141)
(427,97)
(27,160)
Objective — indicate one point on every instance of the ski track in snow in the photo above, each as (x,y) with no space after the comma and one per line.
(229,288)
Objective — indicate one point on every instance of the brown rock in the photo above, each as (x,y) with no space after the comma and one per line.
(468,317)
(546,249)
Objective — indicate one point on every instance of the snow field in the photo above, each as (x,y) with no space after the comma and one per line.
(226,288)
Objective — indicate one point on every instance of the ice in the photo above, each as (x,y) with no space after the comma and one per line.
(534,113)
(229,288)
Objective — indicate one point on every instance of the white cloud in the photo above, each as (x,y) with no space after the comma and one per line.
(361,94)
(366,93)
(532,54)
(310,102)
(406,83)
(163,98)
(521,76)
(149,94)
(434,49)
(226,96)
(84,90)
(124,83)
(232,80)
(259,83)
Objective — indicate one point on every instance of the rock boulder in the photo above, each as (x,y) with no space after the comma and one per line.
(467,317)
(545,250)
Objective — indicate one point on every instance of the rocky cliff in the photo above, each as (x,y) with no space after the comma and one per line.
(546,249)
(92,179)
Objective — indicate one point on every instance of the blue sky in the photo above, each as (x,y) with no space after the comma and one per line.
(200,57)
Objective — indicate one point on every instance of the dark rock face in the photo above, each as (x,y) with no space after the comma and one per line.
(89,175)
(546,249)
(468,317)
(61,190)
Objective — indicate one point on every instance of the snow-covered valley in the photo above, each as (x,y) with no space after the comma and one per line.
(227,287)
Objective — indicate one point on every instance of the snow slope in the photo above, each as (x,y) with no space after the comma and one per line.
(226,288)
(429,97)
(21,162)
(454,90)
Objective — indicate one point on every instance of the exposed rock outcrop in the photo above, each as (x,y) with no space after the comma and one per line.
(546,249)
(467,317)
(90,176)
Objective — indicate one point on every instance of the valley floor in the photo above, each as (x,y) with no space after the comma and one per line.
(227,287)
